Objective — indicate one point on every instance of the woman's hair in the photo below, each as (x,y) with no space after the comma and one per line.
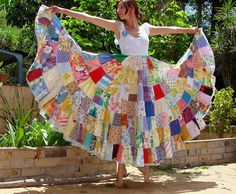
(131,3)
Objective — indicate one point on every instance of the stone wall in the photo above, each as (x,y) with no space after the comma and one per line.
(204,152)
(69,161)
(50,162)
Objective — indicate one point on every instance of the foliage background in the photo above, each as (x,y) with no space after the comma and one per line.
(93,38)
(218,19)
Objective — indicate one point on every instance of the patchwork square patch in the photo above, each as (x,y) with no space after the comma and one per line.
(175,127)
(158,92)
(97,74)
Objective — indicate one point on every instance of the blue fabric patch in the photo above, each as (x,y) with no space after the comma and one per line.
(190,57)
(57,22)
(105,57)
(93,111)
(149,107)
(62,56)
(63,93)
(190,72)
(109,152)
(88,56)
(146,94)
(201,42)
(186,97)
(149,122)
(159,155)
(53,34)
(105,82)
(98,100)
(145,124)
(88,140)
(174,127)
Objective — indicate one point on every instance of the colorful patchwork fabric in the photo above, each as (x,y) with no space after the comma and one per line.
(132,109)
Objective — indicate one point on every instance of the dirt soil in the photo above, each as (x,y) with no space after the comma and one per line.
(205,179)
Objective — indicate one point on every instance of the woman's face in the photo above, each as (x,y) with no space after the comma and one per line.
(122,11)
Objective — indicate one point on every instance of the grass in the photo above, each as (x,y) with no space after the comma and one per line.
(164,170)
(203,167)
(170,170)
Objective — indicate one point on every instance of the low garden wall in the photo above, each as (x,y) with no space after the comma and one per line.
(50,162)
(204,152)
(69,161)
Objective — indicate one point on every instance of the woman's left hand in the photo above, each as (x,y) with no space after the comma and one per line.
(194,30)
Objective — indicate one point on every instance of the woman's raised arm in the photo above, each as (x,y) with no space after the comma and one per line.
(160,30)
(104,23)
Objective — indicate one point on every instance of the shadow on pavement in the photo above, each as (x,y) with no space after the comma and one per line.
(175,183)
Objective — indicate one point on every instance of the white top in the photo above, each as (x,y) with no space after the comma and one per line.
(130,45)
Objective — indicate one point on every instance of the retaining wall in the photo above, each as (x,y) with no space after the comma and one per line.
(69,161)
(50,162)
(204,152)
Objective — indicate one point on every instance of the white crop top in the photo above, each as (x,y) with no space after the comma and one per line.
(130,45)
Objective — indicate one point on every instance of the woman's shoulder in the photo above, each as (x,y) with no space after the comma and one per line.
(120,25)
(146,24)
(146,27)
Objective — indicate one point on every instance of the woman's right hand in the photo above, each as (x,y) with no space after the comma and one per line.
(55,9)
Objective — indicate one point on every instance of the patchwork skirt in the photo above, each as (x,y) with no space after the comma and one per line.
(132,109)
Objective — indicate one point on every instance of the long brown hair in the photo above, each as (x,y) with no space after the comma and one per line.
(131,3)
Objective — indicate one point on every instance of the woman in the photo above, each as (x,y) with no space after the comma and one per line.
(133,40)
(128,13)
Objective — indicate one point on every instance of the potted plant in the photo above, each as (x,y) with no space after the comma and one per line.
(3,75)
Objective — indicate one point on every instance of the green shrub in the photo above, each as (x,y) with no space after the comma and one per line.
(35,134)
(223,111)
(23,129)
(8,34)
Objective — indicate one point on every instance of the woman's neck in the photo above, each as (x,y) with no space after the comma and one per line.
(133,24)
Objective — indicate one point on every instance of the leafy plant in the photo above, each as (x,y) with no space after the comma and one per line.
(1,67)
(224,43)
(42,134)
(23,129)
(222,112)
(14,137)
(8,34)
(14,111)
(35,134)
